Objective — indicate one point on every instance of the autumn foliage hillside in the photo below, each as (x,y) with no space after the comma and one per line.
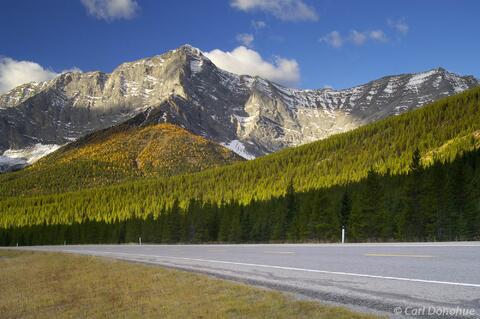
(121,153)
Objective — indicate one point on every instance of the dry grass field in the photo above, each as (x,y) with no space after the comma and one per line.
(48,285)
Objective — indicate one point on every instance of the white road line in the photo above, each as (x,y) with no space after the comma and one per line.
(278,252)
(398,255)
(279,267)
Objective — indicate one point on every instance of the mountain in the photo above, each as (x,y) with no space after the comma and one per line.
(440,131)
(250,115)
(415,176)
(123,152)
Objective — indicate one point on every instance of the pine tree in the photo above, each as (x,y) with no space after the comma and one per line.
(368,218)
(414,216)
(173,231)
(345,209)
(291,209)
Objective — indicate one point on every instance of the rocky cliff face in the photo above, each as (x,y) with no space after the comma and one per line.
(250,115)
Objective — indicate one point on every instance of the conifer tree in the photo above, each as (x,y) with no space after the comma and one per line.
(413,216)
(345,209)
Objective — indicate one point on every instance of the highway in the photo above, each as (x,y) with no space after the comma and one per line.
(431,280)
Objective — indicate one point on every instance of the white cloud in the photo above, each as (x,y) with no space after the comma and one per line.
(111,9)
(14,73)
(357,37)
(286,10)
(246,39)
(334,39)
(399,25)
(378,35)
(247,61)
(257,24)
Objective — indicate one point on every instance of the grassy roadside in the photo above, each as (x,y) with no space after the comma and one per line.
(49,285)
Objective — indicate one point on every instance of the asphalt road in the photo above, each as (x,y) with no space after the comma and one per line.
(421,279)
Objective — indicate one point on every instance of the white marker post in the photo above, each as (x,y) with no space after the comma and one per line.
(140,240)
(343,234)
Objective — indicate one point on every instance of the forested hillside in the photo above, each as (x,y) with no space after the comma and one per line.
(120,153)
(296,194)
(440,202)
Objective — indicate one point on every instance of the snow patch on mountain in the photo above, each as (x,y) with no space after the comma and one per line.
(196,65)
(239,148)
(419,79)
(26,156)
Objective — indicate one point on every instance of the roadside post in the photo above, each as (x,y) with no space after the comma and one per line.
(343,234)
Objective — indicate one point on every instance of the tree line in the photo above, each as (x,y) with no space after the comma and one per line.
(439,202)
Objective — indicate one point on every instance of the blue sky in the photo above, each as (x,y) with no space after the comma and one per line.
(305,43)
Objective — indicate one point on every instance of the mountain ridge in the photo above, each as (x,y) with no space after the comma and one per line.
(250,115)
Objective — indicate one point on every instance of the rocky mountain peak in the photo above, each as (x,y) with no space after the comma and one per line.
(187,48)
(250,115)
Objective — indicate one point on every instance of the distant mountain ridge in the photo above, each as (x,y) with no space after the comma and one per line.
(250,115)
